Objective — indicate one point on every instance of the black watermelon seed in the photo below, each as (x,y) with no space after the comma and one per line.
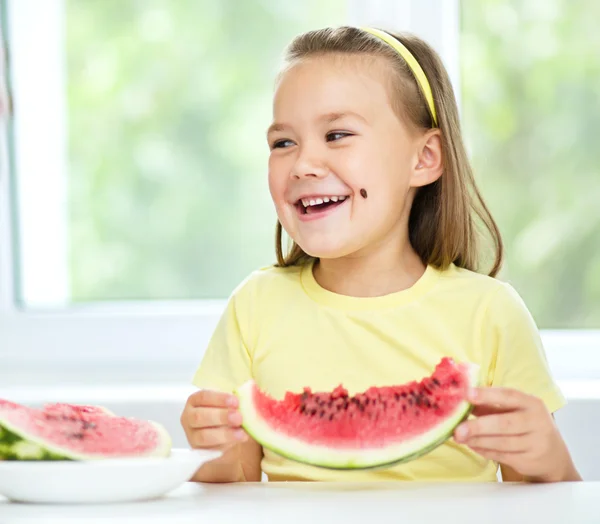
(78,436)
(418,401)
(436,381)
(454,383)
(313,411)
(427,403)
(331,417)
(396,397)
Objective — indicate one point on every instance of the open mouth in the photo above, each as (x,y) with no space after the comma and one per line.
(310,206)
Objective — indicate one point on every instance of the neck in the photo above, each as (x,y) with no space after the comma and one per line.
(376,273)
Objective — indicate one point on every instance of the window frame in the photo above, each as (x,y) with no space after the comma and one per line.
(129,341)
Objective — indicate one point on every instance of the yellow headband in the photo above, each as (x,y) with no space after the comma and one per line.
(412,63)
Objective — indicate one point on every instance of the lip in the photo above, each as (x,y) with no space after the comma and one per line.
(317,195)
(318,214)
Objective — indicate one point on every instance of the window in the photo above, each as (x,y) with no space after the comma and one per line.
(530,106)
(151,149)
(135,198)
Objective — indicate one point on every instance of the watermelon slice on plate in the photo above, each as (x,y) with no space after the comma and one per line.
(76,432)
(67,453)
(376,428)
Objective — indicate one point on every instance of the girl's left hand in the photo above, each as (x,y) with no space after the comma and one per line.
(516,429)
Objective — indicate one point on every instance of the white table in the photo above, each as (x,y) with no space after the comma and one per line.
(313,503)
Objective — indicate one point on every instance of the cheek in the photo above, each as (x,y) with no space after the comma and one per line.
(387,188)
(276,178)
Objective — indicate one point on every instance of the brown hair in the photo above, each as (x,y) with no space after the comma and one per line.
(447,215)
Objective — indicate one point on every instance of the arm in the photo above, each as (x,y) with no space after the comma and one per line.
(226,364)
(239,463)
(514,424)
(510,475)
(517,431)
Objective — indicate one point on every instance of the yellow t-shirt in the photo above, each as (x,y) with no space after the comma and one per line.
(285,331)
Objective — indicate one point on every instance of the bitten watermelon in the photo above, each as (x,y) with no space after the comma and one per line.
(376,428)
(76,432)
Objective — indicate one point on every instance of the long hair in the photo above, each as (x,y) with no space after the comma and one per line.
(448,217)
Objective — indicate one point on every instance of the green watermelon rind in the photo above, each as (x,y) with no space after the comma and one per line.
(13,447)
(350,459)
(16,444)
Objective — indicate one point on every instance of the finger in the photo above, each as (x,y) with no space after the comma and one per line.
(216,399)
(502,457)
(500,398)
(513,423)
(221,436)
(213,417)
(510,444)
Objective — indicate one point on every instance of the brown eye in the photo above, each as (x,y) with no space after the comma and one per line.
(336,135)
(281,144)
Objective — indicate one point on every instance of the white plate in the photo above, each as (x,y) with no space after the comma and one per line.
(99,481)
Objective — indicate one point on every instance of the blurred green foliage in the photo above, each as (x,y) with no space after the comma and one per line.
(169,102)
(531,105)
(169,99)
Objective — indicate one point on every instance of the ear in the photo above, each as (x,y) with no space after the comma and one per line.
(429,163)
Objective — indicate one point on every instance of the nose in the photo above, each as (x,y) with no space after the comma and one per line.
(309,164)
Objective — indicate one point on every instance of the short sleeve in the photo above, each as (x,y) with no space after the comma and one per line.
(520,360)
(227,362)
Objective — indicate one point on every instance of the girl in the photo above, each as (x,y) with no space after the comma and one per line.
(370,179)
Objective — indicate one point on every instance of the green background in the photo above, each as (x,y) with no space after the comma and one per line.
(168,104)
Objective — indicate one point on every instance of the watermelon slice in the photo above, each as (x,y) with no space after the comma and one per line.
(379,427)
(76,432)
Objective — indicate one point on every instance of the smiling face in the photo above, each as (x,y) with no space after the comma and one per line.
(334,133)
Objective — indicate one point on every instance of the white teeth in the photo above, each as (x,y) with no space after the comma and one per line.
(317,201)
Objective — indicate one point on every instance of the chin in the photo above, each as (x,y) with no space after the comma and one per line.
(327,250)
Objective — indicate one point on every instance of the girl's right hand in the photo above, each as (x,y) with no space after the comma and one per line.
(211,420)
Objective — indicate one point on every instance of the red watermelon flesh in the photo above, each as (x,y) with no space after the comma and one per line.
(379,426)
(79,432)
(81,410)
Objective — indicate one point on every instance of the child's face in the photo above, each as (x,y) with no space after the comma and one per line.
(335,133)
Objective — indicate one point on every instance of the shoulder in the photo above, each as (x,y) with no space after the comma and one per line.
(497,297)
(262,296)
(268,282)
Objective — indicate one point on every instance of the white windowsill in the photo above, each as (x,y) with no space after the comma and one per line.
(164,343)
